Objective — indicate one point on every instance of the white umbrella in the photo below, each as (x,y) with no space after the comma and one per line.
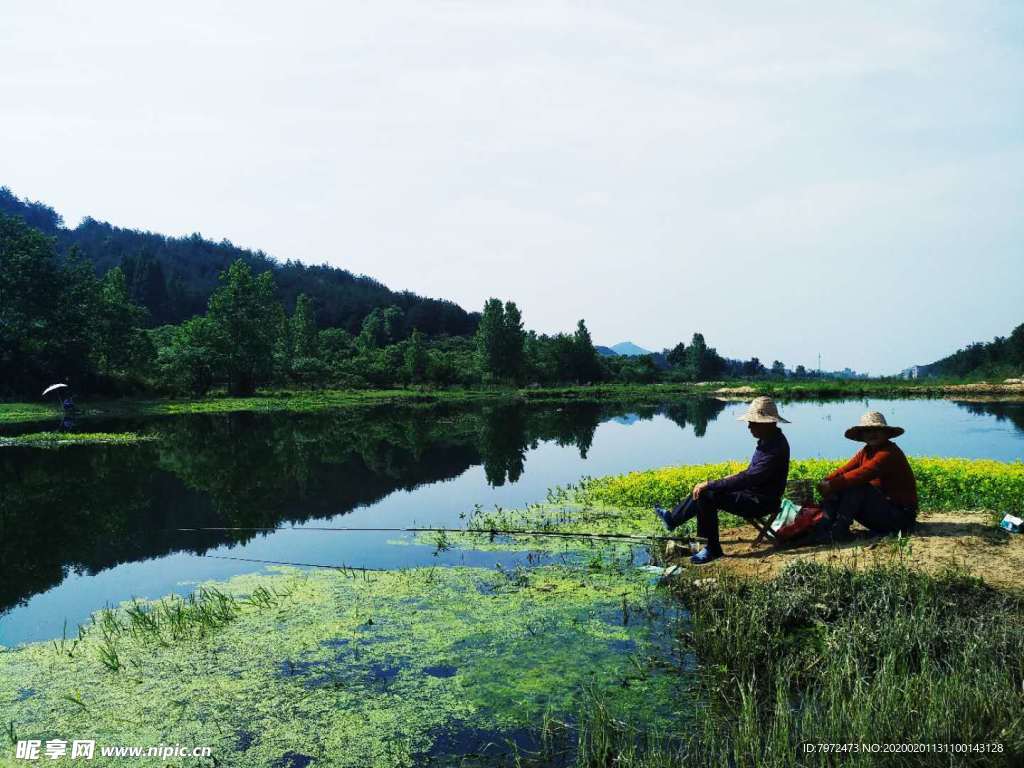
(52,387)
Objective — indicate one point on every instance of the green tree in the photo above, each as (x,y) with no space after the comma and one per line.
(677,355)
(778,370)
(48,313)
(443,367)
(283,355)
(118,342)
(304,336)
(416,358)
(500,340)
(585,363)
(638,370)
(1015,348)
(489,338)
(192,361)
(30,285)
(380,328)
(561,358)
(243,310)
(335,344)
(753,367)
(514,338)
(702,362)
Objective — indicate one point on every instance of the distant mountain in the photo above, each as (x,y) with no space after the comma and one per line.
(629,349)
(173,277)
(606,351)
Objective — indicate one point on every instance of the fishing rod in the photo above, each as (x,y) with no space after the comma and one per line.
(483,531)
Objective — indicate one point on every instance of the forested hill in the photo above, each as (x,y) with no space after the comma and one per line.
(173,277)
(1003,356)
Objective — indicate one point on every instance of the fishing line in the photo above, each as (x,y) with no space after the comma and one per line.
(481,531)
(297,565)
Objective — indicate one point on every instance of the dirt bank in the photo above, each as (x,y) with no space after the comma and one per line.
(985,388)
(1011,390)
(969,540)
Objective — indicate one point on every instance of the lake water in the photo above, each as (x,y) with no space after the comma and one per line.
(90,526)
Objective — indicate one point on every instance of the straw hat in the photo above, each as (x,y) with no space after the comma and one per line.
(872,420)
(763,411)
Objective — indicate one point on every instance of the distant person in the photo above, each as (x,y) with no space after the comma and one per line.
(754,492)
(876,487)
(67,415)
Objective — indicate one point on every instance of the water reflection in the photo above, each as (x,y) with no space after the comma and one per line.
(88,508)
(1012,412)
(88,525)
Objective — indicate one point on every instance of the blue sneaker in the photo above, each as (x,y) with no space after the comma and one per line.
(666,517)
(706,556)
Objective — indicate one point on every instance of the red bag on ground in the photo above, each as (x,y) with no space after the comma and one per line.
(805,520)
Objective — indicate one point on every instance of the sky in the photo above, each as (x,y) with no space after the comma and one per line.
(787,178)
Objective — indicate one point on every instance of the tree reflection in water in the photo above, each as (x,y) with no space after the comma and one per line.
(1012,412)
(87,508)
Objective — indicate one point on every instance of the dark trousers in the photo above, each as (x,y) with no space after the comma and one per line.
(869,507)
(742,503)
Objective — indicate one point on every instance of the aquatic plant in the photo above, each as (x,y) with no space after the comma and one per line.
(107,653)
(58,439)
(386,669)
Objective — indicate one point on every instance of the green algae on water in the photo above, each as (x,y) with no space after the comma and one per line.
(379,669)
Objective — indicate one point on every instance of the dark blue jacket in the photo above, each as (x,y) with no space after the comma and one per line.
(767,473)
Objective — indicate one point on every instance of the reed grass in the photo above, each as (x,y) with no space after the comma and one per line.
(164,623)
(821,654)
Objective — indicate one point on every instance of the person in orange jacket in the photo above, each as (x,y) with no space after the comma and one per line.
(876,487)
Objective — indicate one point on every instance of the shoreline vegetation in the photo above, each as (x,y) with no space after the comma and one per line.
(59,439)
(307,400)
(887,640)
(502,662)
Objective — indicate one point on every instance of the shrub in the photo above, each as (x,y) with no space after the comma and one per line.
(942,484)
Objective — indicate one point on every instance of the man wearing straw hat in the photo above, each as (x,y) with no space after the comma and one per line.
(754,492)
(876,487)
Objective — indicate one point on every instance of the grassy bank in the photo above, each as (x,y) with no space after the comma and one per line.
(310,401)
(301,401)
(59,439)
(887,656)
(942,484)
(883,653)
(818,389)
(623,503)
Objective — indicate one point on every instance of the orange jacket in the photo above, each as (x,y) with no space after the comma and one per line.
(885,467)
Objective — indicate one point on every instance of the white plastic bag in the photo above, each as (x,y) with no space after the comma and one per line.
(787,514)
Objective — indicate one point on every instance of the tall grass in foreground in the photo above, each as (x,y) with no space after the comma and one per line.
(942,484)
(162,623)
(821,654)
